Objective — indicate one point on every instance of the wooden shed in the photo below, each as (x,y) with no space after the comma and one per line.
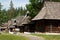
(48,19)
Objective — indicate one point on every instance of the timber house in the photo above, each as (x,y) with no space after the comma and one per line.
(18,24)
(48,19)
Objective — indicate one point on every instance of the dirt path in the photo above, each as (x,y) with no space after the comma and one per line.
(31,37)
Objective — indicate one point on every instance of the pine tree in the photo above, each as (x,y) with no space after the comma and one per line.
(1,16)
(11,10)
(34,7)
(0,8)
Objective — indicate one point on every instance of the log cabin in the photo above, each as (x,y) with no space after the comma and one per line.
(18,23)
(48,19)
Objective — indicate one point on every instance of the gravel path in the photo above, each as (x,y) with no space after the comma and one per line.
(31,37)
(35,38)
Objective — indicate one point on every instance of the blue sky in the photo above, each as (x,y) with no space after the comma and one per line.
(17,3)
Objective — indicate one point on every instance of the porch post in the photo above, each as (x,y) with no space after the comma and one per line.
(51,28)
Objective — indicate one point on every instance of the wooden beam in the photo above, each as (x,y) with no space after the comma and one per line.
(51,28)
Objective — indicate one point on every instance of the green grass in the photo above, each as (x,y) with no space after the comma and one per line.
(48,37)
(12,37)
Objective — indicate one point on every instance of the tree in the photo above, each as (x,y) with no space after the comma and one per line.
(11,10)
(1,16)
(0,8)
(21,11)
(34,7)
(6,15)
(15,13)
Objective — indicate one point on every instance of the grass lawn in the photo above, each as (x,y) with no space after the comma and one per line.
(12,37)
(48,37)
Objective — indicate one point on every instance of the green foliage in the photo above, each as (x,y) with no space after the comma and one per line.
(34,7)
(22,11)
(11,37)
(1,15)
(48,37)
(11,13)
(11,10)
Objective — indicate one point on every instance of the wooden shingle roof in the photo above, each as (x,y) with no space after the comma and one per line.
(51,10)
(23,20)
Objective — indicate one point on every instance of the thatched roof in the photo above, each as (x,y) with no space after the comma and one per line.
(26,20)
(22,20)
(19,20)
(51,10)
